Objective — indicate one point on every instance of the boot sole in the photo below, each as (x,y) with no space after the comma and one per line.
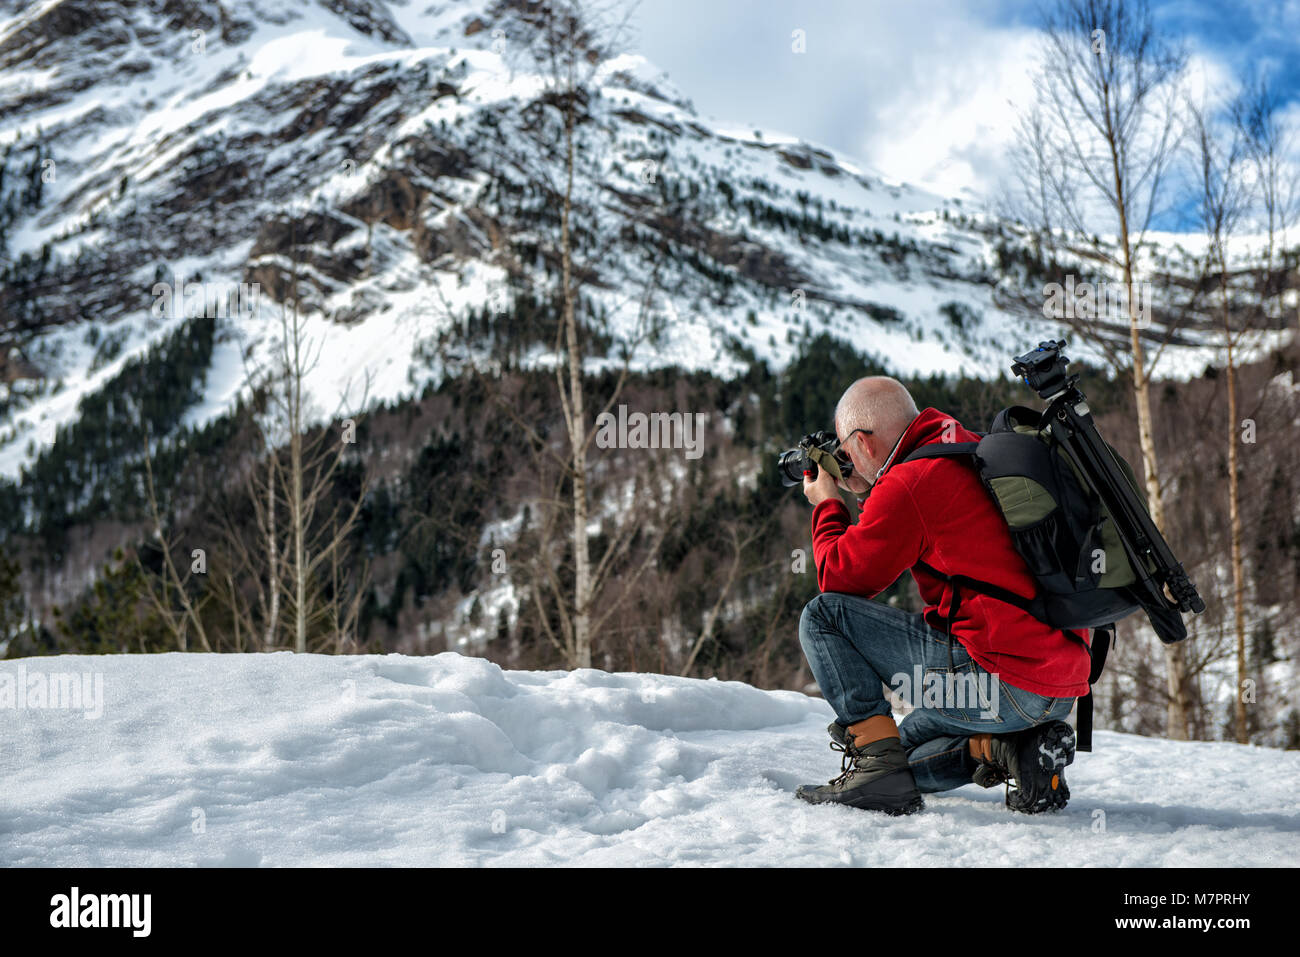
(897,804)
(911,807)
(862,804)
(1046,755)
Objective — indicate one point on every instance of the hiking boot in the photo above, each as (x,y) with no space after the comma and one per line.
(874,777)
(1034,760)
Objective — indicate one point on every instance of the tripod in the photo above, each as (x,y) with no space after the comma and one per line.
(1071,424)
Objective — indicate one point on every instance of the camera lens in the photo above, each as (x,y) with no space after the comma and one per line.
(792,465)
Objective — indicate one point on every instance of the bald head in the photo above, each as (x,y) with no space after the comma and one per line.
(878,403)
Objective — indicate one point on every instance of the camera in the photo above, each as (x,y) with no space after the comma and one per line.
(793,463)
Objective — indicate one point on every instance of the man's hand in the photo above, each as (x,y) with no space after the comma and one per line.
(819,489)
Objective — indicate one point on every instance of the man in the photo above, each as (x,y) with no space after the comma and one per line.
(934,517)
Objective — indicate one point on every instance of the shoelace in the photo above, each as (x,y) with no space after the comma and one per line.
(988,774)
(850,753)
(995,774)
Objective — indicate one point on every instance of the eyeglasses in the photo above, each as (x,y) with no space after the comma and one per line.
(840,455)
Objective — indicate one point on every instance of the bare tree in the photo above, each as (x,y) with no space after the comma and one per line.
(548,588)
(160,593)
(255,620)
(1219,152)
(264,508)
(296,553)
(567,42)
(1100,143)
(314,540)
(1269,144)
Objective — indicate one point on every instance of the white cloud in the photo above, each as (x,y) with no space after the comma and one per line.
(947,114)
(921,91)
(915,90)
(1210,80)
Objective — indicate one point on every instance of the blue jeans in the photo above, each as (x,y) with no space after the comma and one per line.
(855,645)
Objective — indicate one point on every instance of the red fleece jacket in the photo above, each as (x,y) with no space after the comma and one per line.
(938,512)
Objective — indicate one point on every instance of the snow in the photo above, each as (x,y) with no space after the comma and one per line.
(283,760)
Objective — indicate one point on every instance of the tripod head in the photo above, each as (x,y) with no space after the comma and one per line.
(1043,370)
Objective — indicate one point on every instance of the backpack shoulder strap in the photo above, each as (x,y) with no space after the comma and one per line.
(943,450)
(1009,418)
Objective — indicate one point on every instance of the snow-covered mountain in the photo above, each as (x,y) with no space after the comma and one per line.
(284,760)
(379,152)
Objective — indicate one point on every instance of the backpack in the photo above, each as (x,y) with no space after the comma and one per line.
(1063,530)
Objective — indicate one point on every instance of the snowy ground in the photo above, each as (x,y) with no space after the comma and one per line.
(280,759)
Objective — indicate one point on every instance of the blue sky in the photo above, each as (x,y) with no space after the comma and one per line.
(922,91)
